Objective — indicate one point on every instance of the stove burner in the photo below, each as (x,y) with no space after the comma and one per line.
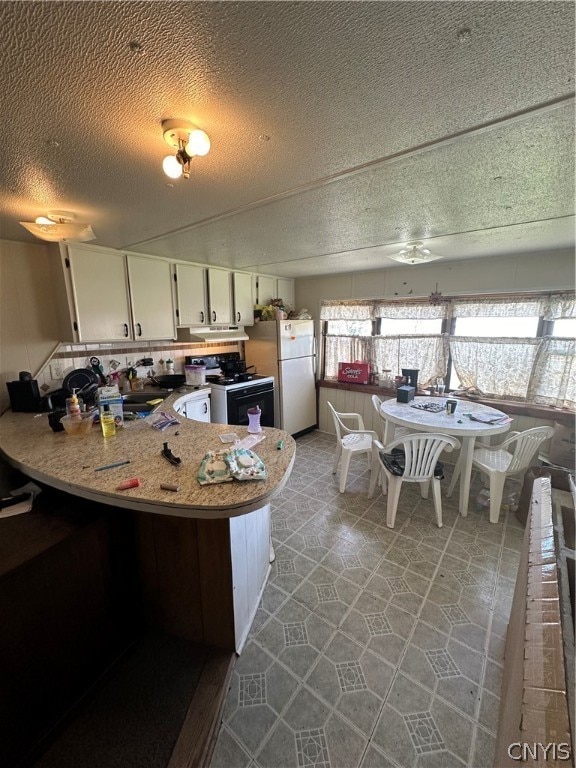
(225,380)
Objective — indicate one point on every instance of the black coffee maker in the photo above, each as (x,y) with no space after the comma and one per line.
(406,392)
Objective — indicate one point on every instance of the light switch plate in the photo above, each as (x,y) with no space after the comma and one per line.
(56,371)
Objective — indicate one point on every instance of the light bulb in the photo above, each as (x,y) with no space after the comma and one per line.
(172,167)
(198,143)
(43,220)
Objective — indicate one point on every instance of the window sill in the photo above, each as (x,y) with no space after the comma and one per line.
(563,416)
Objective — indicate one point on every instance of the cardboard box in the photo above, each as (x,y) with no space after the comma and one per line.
(111,396)
(354,373)
(563,447)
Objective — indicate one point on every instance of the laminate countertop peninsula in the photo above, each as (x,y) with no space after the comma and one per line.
(68,463)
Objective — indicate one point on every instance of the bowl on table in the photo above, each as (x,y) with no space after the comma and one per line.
(78,427)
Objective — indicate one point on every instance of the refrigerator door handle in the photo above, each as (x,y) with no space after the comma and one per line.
(315,353)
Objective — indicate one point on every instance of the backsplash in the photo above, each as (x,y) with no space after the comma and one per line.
(119,357)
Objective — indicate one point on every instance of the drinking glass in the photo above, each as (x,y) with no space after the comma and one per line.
(440,386)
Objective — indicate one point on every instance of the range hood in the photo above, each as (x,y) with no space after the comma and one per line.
(210,335)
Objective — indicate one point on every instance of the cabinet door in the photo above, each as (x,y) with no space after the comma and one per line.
(191,294)
(199,410)
(99,291)
(285,290)
(219,296)
(243,300)
(151,294)
(266,289)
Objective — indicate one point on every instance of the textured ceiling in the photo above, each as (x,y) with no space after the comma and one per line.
(339,130)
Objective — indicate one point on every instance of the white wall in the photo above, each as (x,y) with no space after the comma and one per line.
(541,271)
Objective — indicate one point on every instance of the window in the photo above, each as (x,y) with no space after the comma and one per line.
(417,327)
(564,328)
(518,347)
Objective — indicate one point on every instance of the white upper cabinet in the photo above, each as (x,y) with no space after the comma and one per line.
(285,290)
(243,298)
(98,293)
(113,296)
(269,288)
(266,289)
(150,283)
(191,294)
(219,296)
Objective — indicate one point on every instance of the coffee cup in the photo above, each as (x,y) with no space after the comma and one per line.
(451,407)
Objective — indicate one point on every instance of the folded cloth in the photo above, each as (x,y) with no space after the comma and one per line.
(245,465)
(214,469)
(395,463)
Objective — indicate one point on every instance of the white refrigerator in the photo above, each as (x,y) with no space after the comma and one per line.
(286,349)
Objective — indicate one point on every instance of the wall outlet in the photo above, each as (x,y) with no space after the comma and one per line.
(56,372)
(130,359)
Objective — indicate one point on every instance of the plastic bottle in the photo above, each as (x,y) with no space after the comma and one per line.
(107,421)
(73,405)
(169,366)
(254,420)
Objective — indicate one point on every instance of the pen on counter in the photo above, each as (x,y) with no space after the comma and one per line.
(111,466)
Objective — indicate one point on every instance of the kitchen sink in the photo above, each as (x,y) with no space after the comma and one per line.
(139,402)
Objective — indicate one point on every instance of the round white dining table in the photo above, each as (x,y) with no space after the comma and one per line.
(459,425)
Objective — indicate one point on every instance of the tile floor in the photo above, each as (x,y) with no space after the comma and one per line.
(372,647)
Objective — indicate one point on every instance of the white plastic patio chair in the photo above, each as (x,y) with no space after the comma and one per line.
(511,457)
(350,441)
(421,453)
(398,431)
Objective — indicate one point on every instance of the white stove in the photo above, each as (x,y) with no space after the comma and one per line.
(231,397)
(228,385)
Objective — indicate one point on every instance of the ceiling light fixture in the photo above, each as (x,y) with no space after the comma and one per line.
(189,141)
(59,225)
(414,253)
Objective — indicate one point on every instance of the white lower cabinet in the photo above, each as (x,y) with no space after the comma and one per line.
(194,405)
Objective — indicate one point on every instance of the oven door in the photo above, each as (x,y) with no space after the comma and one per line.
(240,400)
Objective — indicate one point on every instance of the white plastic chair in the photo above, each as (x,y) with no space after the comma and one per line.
(421,452)
(398,431)
(350,441)
(511,457)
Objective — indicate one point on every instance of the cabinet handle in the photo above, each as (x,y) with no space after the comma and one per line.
(126,330)
(139,329)
(213,316)
(238,316)
(201,317)
(205,407)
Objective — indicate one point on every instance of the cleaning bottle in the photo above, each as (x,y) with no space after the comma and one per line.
(107,421)
(73,405)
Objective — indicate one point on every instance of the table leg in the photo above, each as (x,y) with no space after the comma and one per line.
(466,453)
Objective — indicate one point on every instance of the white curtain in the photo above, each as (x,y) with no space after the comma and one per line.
(560,306)
(496,367)
(505,306)
(428,354)
(412,311)
(347,310)
(345,349)
(553,380)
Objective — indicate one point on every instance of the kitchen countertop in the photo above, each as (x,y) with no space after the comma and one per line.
(68,463)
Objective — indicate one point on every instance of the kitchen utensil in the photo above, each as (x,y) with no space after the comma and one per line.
(232,367)
(84,381)
(97,368)
(170,381)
